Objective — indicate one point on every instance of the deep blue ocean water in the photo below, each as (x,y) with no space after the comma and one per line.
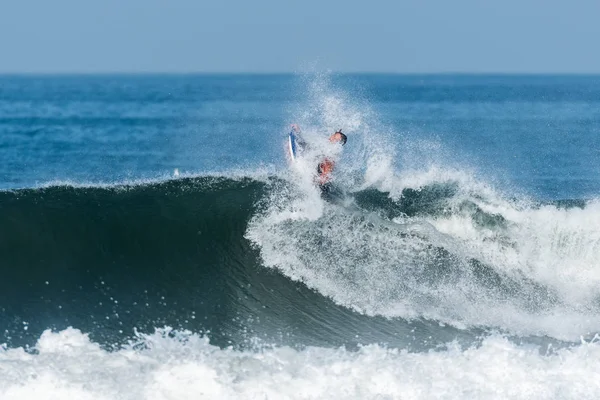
(143,216)
(541,132)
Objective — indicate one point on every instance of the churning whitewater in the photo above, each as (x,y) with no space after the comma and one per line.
(418,275)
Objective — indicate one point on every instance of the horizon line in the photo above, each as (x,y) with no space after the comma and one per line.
(265,73)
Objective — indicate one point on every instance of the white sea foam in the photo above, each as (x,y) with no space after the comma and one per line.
(186,366)
(375,266)
(541,265)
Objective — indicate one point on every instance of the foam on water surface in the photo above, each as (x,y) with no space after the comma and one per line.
(468,254)
(180,365)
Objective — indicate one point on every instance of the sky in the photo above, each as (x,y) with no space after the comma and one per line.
(402,36)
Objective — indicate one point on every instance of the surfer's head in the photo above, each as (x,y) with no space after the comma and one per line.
(338,137)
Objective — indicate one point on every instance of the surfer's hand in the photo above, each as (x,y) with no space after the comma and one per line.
(295,127)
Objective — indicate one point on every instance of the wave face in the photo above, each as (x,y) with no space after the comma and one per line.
(110,259)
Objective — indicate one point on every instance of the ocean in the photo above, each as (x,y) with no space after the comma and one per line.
(156,243)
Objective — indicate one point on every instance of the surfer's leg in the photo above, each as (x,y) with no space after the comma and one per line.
(325,189)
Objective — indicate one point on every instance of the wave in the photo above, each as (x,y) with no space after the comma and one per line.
(113,259)
(198,253)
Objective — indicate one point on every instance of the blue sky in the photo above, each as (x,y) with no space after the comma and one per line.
(510,36)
